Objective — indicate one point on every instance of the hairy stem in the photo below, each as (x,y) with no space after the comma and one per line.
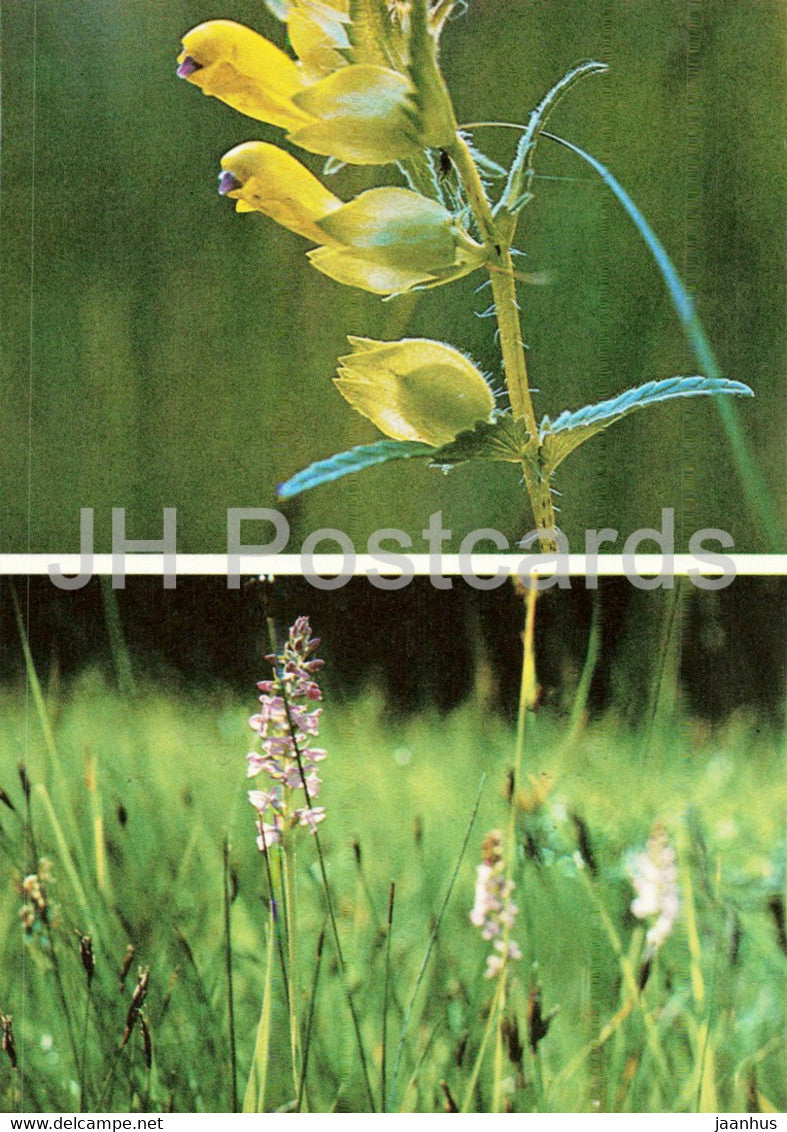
(501,272)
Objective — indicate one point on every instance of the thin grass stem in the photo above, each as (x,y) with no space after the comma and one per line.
(226,895)
(386,989)
(527,695)
(752,482)
(273,909)
(254,1097)
(290,913)
(494,1014)
(307,1038)
(430,945)
(83,1051)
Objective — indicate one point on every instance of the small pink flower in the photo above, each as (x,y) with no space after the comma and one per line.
(262,799)
(310,817)
(268,835)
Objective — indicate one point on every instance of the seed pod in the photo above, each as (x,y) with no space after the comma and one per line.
(414,389)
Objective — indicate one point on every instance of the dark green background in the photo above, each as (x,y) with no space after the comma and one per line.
(159,350)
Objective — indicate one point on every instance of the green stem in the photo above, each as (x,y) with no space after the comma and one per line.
(228,973)
(386,988)
(292,961)
(501,273)
(254,1099)
(474,1075)
(527,687)
(309,1020)
(83,1052)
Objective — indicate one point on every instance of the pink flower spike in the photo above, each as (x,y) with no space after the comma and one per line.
(286,721)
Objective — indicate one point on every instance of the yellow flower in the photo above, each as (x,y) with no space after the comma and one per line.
(240,67)
(360,113)
(386,240)
(266,179)
(415,389)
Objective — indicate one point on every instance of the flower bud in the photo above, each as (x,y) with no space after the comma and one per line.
(415,389)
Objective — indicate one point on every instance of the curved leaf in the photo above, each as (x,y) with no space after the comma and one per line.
(569,430)
(345,463)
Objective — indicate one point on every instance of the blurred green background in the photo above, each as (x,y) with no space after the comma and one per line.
(159,350)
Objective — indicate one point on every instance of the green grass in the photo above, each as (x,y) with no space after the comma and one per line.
(170,785)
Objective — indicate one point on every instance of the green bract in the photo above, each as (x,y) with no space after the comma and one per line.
(360,114)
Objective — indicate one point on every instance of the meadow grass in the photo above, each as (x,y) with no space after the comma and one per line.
(133,795)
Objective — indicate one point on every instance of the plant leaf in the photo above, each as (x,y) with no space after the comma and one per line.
(500,439)
(561,436)
(355,460)
(513,195)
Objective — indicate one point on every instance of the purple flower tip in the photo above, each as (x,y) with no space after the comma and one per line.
(187,67)
(228,182)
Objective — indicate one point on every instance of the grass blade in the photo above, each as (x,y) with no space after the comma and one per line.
(386,986)
(749,474)
(432,941)
(254,1098)
(310,1019)
(228,970)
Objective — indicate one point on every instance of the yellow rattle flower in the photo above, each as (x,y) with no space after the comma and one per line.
(386,240)
(359,113)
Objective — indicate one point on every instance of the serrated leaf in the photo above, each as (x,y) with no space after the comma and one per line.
(501,439)
(570,429)
(355,460)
